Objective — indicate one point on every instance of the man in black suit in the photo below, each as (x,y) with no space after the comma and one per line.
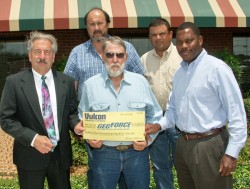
(22,115)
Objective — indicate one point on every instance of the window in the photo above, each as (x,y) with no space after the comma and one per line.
(241,48)
(142,45)
(13,58)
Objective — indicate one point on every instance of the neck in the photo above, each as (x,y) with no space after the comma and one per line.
(116,81)
(98,46)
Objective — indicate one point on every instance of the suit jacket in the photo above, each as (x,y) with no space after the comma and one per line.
(21,117)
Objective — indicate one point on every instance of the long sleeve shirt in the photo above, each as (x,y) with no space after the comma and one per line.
(205,96)
(134,95)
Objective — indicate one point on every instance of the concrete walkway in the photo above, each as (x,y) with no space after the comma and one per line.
(7,168)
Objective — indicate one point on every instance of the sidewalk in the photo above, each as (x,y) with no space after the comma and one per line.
(7,168)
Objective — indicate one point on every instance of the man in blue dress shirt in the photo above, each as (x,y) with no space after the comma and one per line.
(206,106)
(118,90)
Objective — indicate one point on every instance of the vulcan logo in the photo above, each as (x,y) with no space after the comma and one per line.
(94,117)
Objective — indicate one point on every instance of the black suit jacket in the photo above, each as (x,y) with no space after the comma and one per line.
(21,117)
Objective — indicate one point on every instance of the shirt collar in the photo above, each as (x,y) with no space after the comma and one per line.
(38,76)
(126,78)
(185,65)
(166,52)
(90,45)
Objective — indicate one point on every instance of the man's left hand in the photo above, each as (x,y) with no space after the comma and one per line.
(140,145)
(227,165)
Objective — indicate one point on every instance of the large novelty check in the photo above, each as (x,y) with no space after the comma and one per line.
(114,126)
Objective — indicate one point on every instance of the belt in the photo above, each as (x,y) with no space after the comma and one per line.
(121,147)
(193,136)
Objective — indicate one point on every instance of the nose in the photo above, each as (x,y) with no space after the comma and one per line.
(42,54)
(115,59)
(96,26)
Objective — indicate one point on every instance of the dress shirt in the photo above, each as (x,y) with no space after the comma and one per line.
(159,72)
(51,86)
(84,62)
(134,95)
(205,96)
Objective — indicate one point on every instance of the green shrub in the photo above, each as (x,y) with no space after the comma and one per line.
(247,108)
(80,156)
(60,64)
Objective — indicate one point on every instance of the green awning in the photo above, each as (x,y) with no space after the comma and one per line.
(22,15)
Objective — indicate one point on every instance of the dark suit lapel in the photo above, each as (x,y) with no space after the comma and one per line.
(29,90)
(61,91)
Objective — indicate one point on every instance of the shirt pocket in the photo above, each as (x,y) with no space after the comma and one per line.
(137,106)
(100,108)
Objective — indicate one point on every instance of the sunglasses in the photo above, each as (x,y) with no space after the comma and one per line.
(111,55)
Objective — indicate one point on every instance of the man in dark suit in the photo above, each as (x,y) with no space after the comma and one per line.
(38,108)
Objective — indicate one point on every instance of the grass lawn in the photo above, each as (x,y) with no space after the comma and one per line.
(79,181)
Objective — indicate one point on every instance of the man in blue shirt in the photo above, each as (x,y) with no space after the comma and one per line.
(85,60)
(118,90)
(206,106)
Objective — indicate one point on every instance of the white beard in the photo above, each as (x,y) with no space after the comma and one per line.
(116,73)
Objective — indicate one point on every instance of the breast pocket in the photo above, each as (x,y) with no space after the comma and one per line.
(137,106)
(100,108)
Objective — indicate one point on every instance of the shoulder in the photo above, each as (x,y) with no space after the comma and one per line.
(149,53)
(215,62)
(135,77)
(62,76)
(129,46)
(21,75)
(94,79)
(81,47)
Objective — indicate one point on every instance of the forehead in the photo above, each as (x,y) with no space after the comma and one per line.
(114,48)
(95,15)
(158,29)
(39,43)
(188,32)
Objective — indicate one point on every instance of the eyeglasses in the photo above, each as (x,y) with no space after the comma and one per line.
(111,55)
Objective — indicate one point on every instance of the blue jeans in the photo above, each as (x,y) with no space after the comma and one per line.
(122,183)
(108,164)
(162,153)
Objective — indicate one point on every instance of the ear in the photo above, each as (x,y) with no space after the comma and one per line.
(29,56)
(200,40)
(126,57)
(54,58)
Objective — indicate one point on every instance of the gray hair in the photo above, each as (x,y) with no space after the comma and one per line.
(113,40)
(36,35)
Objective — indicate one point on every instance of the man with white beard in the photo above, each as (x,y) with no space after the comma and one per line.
(118,90)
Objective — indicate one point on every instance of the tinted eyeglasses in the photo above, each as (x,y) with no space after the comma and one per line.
(111,55)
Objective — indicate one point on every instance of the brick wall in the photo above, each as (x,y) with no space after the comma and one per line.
(215,39)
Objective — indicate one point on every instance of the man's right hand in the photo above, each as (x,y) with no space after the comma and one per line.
(43,144)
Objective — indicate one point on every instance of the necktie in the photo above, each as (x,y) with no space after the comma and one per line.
(47,113)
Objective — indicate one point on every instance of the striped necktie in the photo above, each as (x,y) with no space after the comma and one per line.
(47,112)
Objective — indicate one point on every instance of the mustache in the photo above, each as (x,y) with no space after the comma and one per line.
(41,60)
(97,31)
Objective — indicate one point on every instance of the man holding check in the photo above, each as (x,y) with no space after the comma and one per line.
(118,90)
